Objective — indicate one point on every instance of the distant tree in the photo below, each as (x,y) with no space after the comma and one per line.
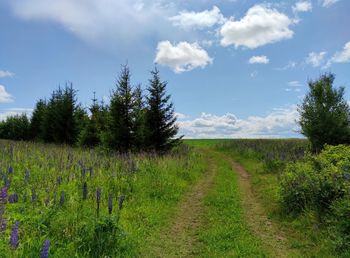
(15,127)
(139,112)
(324,114)
(62,116)
(121,113)
(90,135)
(37,119)
(160,123)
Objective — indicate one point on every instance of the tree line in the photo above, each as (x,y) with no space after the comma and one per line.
(131,121)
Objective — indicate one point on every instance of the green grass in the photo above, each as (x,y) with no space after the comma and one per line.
(152,187)
(302,232)
(225,232)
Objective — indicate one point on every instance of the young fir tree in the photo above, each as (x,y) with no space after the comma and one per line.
(121,109)
(90,134)
(324,114)
(37,119)
(139,110)
(160,119)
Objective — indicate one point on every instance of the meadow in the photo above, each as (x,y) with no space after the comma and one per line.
(206,198)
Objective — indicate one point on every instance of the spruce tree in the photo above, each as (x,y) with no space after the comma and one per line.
(161,125)
(121,109)
(139,110)
(37,120)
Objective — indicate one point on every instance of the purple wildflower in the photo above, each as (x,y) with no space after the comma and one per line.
(98,200)
(62,198)
(85,191)
(33,195)
(110,204)
(26,176)
(121,201)
(2,226)
(13,198)
(14,236)
(45,250)
(10,170)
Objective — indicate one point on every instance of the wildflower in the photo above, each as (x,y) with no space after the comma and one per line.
(121,201)
(2,225)
(33,195)
(110,204)
(85,191)
(13,198)
(10,170)
(26,176)
(45,250)
(62,198)
(14,236)
(98,200)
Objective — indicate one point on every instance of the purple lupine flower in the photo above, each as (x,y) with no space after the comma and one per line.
(2,225)
(45,250)
(6,181)
(85,191)
(10,170)
(62,198)
(33,195)
(3,195)
(14,236)
(110,204)
(13,198)
(98,200)
(26,176)
(121,201)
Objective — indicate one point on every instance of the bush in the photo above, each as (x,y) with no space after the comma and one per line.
(318,181)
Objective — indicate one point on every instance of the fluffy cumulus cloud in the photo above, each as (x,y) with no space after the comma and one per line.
(316,59)
(5,97)
(4,74)
(279,123)
(204,19)
(342,56)
(328,3)
(182,57)
(260,26)
(259,60)
(98,20)
(302,6)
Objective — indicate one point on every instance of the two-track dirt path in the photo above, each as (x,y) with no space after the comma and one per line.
(180,239)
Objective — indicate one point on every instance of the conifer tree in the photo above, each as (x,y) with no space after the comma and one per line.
(139,110)
(37,119)
(161,125)
(121,109)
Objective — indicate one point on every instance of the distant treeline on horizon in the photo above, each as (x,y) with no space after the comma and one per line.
(131,121)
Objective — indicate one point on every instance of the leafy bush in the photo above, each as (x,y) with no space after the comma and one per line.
(318,181)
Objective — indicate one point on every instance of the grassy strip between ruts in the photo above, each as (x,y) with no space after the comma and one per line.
(225,232)
(303,233)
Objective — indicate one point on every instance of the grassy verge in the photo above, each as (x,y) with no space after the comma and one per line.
(225,232)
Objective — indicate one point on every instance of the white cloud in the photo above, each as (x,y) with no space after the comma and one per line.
(328,3)
(260,26)
(5,97)
(259,60)
(180,116)
(205,19)
(295,84)
(4,74)
(14,111)
(101,21)
(302,6)
(279,123)
(316,59)
(342,56)
(182,57)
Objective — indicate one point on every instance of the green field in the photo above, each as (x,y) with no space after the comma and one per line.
(207,198)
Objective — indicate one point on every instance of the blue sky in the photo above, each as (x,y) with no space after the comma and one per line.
(234,68)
